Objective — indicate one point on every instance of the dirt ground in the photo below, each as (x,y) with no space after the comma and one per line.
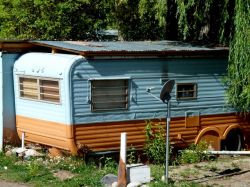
(225,171)
(11,184)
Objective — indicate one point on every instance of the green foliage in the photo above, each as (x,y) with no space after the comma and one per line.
(50,20)
(110,166)
(194,154)
(205,20)
(155,146)
(131,156)
(138,19)
(238,79)
(39,172)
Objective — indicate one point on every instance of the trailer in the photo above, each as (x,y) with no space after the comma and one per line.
(70,94)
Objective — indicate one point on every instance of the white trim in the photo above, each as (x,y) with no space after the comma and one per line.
(109,78)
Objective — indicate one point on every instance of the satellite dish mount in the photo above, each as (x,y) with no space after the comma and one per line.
(165,97)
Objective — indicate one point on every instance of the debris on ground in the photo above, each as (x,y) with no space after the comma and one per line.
(233,169)
(64,175)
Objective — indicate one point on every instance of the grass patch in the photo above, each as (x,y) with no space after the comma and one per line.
(39,172)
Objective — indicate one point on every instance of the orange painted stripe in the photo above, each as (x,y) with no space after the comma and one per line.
(106,136)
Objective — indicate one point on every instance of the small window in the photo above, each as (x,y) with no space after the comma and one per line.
(28,88)
(186,91)
(49,90)
(39,89)
(109,95)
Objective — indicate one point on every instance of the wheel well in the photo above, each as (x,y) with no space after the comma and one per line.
(212,136)
(233,140)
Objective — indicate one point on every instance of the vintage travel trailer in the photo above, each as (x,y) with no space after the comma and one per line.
(71,94)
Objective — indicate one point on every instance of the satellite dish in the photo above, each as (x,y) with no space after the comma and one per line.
(166,90)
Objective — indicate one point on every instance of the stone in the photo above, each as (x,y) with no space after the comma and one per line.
(108,180)
(134,184)
(115,184)
(32,152)
(63,175)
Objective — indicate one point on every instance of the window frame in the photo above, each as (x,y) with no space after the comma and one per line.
(39,87)
(126,93)
(194,90)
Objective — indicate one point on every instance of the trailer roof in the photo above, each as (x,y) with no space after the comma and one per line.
(149,48)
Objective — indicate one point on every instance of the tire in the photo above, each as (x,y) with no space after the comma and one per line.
(233,141)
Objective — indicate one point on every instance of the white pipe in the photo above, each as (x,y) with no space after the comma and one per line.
(228,152)
(123,151)
(122,175)
(23,137)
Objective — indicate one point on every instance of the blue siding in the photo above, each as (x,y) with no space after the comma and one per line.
(145,73)
(47,65)
(8,60)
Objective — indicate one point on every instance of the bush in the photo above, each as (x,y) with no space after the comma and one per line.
(155,146)
(195,153)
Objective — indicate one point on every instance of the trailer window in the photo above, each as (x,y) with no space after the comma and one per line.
(186,91)
(49,90)
(39,89)
(109,95)
(28,88)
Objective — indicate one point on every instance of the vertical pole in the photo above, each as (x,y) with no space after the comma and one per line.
(23,137)
(1,103)
(167,141)
(122,178)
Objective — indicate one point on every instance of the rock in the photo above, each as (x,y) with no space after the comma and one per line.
(134,184)
(9,153)
(108,180)
(32,152)
(63,175)
(115,184)
(19,150)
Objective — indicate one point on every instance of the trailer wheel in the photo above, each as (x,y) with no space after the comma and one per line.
(233,141)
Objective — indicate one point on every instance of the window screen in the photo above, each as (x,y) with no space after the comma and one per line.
(39,89)
(28,88)
(186,91)
(109,95)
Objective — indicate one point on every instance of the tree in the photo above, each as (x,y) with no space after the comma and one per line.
(138,19)
(50,20)
(239,62)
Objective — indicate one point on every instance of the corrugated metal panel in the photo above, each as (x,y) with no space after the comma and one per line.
(46,132)
(146,73)
(124,46)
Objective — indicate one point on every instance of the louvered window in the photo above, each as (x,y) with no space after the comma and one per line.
(39,89)
(109,95)
(186,91)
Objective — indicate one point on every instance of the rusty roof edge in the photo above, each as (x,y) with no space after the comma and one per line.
(56,47)
(15,45)
(216,51)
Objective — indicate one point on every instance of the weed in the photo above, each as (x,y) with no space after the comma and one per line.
(188,172)
(235,165)
(155,146)
(194,154)
(212,167)
(131,157)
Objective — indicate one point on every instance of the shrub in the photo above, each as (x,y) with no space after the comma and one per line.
(195,153)
(155,146)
